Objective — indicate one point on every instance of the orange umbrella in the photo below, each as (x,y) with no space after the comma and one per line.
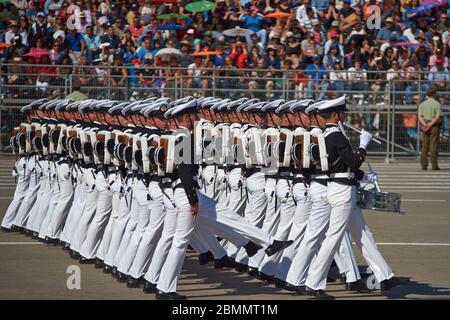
(4,45)
(277,15)
(205,53)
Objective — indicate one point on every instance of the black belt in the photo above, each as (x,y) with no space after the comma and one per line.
(301,180)
(234,166)
(89,166)
(156,178)
(251,171)
(141,176)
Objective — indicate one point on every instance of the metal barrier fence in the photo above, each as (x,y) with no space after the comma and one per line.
(386,108)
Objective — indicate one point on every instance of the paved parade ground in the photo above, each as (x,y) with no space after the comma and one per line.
(416,245)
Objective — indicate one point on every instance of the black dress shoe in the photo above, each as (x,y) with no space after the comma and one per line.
(15,228)
(253,272)
(121,277)
(205,258)
(51,241)
(114,272)
(149,287)
(251,248)
(133,282)
(319,294)
(169,296)
(22,230)
(35,236)
(277,246)
(279,283)
(297,290)
(266,278)
(107,269)
(66,246)
(224,262)
(6,229)
(241,267)
(84,260)
(358,286)
(99,263)
(388,284)
(74,255)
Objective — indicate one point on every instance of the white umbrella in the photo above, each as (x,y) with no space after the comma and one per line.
(237,32)
(172,52)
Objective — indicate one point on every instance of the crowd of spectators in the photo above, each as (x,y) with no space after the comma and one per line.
(328,46)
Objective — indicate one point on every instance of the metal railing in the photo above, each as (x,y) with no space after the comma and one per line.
(386,108)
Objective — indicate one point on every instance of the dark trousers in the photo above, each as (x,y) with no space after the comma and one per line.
(430,144)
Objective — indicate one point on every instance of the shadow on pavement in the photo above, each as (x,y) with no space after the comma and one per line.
(424,290)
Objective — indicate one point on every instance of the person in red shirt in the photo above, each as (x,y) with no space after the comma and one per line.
(136,28)
(239,55)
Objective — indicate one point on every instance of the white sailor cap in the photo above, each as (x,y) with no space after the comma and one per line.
(159,108)
(118,108)
(73,105)
(285,107)
(338,104)
(272,105)
(86,105)
(236,103)
(300,106)
(314,108)
(51,105)
(137,108)
(128,108)
(62,105)
(105,105)
(220,104)
(184,100)
(180,109)
(244,105)
(255,107)
(151,99)
(34,105)
(208,102)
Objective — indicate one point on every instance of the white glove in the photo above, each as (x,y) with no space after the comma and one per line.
(364,139)
(372,177)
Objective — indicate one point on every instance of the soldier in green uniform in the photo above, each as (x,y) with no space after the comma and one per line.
(76,94)
(430,119)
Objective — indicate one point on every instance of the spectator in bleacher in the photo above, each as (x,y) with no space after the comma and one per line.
(310,49)
(92,44)
(338,79)
(83,74)
(13,31)
(358,79)
(239,55)
(75,44)
(57,52)
(144,52)
(332,57)
(118,77)
(317,76)
(387,32)
(439,76)
(111,38)
(196,79)
(272,61)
